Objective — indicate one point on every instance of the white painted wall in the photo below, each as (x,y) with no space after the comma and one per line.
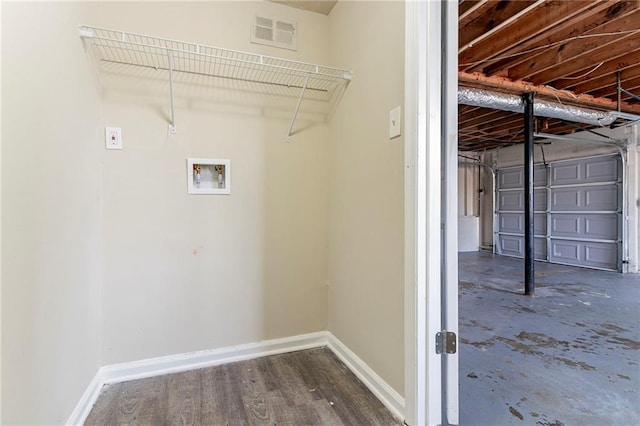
(191,272)
(51,198)
(468,195)
(469,202)
(468,233)
(366,260)
(106,258)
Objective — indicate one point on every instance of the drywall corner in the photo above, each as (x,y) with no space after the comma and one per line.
(381,389)
(51,249)
(366,225)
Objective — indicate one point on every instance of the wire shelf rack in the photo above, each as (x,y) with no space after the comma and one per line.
(124,48)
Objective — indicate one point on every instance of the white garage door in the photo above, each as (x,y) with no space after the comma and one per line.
(577,212)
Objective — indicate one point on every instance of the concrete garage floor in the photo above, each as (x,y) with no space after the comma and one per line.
(567,356)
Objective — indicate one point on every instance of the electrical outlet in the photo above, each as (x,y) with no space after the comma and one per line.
(113,138)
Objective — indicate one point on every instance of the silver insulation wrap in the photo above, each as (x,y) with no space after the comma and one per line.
(513,103)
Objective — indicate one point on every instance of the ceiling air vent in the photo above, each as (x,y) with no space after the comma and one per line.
(274,33)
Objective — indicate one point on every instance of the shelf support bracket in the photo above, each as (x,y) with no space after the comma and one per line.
(172,124)
(295,113)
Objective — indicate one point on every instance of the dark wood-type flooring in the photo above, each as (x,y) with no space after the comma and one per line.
(310,387)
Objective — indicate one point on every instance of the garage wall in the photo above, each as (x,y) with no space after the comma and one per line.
(468,195)
(366,261)
(469,202)
(51,214)
(191,272)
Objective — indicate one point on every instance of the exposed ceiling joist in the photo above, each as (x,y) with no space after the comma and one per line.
(565,51)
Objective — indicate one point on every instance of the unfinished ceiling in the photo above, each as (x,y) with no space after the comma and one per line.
(567,52)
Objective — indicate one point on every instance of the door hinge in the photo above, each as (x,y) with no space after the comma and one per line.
(446,342)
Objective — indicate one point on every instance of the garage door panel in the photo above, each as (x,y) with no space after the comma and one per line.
(603,226)
(568,199)
(511,200)
(540,199)
(577,212)
(585,253)
(511,178)
(601,255)
(591,170)
(539,249)
(539,176)
(514,178)
(603,197)
(539,224)
(565,174)
(591,198)
(601,170)
(565,251)
(591,226)
(513,245)
(564,225)
(514,200)
(513,223)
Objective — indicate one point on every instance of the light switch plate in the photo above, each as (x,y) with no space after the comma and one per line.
(394,123)
(113,138)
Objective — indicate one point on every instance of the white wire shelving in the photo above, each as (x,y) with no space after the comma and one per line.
(139,50)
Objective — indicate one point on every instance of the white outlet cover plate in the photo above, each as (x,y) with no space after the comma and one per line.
(113,138)
(394,123)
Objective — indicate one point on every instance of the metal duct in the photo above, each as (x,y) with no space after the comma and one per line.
(513,103)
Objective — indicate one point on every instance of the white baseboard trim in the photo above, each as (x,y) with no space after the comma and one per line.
(86,402)
(123,372)
(190,361)
(381,389)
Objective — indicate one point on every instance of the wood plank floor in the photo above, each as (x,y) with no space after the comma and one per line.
(310,387)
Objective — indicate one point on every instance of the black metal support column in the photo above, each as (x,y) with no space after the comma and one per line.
(529,284)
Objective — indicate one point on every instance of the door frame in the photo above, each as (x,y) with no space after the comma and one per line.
(431,380)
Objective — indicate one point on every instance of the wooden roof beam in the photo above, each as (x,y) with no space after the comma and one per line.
(588,61)
(509,39)
(490,115)
(501,15)
(607,69)
(514,121)
(467,10)
(466,109)
(585,21)
(582,48)
(612,91)
(628,65)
